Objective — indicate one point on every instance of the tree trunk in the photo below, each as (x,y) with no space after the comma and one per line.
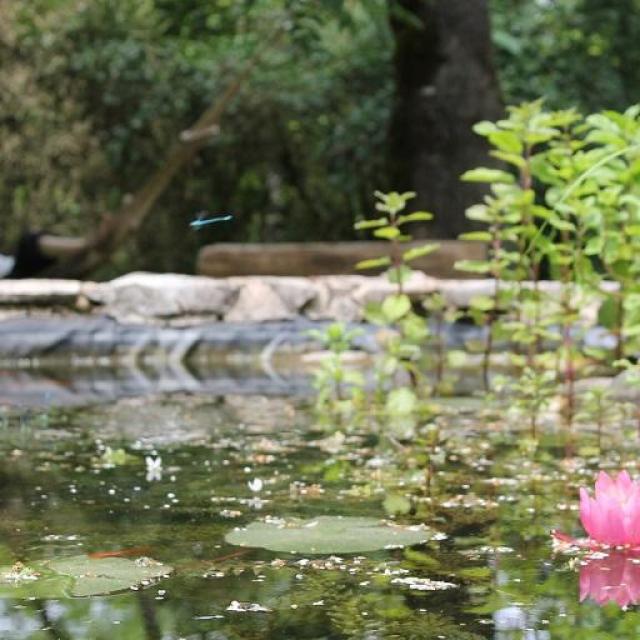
(445,83)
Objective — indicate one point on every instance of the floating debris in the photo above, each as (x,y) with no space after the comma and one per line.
(230,513)
(250,607)
(424,584)
(154,468)
(19,573)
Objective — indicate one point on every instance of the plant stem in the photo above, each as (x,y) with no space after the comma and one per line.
(487,354)
(569,370)
(619,327)
(440,351)
(534,423)
(396,257)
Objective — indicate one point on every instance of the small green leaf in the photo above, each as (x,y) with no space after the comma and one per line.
(609,313)
(510,158)
(422,559)
(484,174)
(477,236)
(415,327)
(480,213)
(484,128)
(418,252)
(416,216)
(373,313)
(506,141)
(561,225)
(401,402)
(482,303)
(473,266)
(387,233)
(399,274)
(374,263)
(594,246)
(371,224)
(336,471)
(394,307)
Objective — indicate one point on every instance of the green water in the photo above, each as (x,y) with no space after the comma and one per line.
(494,497)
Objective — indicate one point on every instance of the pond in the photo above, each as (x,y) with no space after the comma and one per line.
(165,478)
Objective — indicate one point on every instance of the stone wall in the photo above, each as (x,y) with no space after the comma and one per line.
(180,300)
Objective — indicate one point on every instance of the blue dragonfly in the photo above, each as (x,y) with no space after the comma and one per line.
(201,221)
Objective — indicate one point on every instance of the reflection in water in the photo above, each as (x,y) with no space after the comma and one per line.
(614,577)
(513,622)
(81,386)
(76,362)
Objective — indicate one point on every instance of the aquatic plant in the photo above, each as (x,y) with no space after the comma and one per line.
(80,576)
(512,217)
(334,381)
(612,517)
(565,204)
(329,535)
(533,392)
(597,406)
(569,201)
(441,313)
(403,347)
(614,222)
(391,226)
(631,374)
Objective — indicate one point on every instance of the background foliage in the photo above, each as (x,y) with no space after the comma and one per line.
(576,53)
(93,93)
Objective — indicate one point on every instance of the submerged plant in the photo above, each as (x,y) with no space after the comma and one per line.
(631,373)
(441,314)
(533,393)
(334,381)
(597,407)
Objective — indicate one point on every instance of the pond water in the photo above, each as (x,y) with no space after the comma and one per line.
(76,482)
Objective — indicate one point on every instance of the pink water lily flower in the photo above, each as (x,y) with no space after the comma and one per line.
(612,518)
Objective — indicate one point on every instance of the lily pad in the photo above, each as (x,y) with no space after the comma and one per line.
(34,581)
(79,576)
(329,535)
(99,576)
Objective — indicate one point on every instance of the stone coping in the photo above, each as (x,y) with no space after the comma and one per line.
(182,300)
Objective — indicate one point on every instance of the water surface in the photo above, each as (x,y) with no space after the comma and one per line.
(75,481)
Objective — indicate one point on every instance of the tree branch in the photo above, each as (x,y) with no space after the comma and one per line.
(116,228)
